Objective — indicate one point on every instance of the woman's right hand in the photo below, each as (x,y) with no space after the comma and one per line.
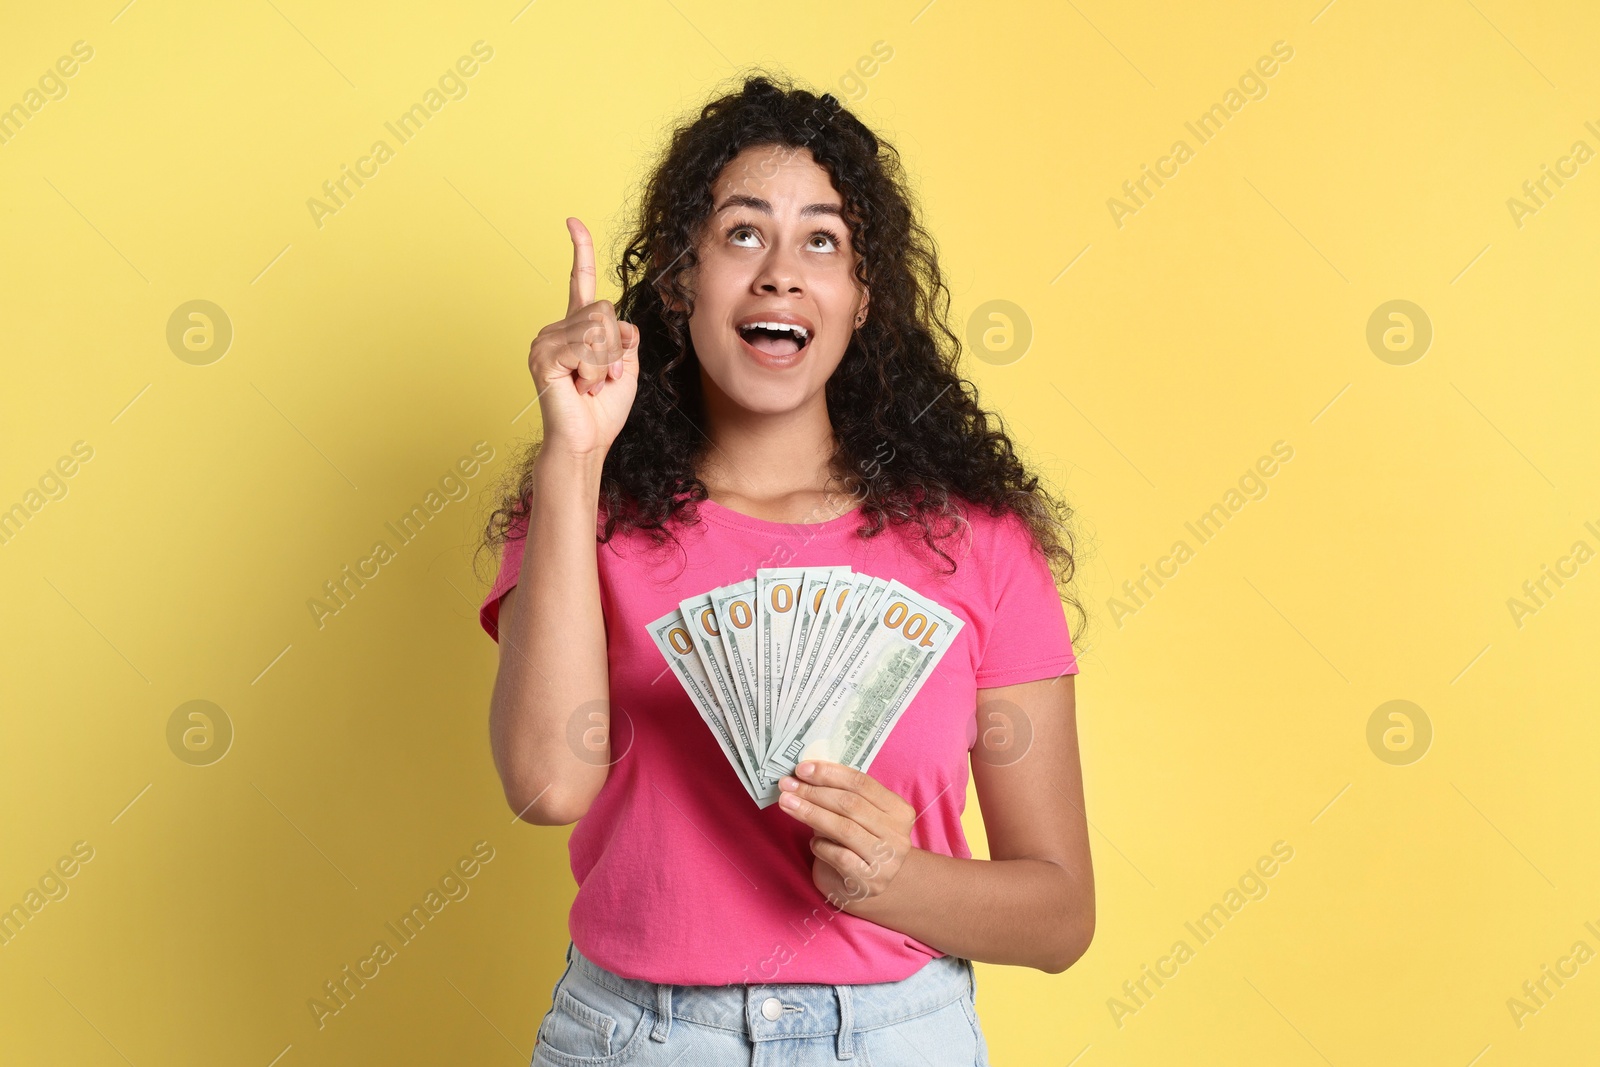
(586,365)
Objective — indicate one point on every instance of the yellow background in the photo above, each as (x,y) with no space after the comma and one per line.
(369,354)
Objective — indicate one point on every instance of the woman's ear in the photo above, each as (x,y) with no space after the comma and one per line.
(671,302)
(861,315)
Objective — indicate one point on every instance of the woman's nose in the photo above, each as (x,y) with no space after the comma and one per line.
(780,271)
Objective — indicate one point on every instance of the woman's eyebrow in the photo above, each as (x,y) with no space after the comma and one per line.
(755,203)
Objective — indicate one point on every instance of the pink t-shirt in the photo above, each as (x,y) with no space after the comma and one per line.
(681,877)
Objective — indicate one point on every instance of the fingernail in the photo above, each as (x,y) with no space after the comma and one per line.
(789,800)
(788,783)
(805,769)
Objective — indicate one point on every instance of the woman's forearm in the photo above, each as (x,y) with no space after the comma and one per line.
(552,684)
(1022,912)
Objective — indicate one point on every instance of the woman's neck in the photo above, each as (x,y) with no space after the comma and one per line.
(773,466)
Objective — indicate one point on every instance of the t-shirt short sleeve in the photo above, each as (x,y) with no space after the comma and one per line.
(1027,638)
(510,571)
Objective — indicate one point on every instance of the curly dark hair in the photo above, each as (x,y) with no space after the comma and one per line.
(909,430)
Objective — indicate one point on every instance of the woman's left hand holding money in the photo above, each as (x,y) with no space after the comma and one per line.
(862,829)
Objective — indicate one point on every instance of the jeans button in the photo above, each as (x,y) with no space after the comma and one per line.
(771,1009)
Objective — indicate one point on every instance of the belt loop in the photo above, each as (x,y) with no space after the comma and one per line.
(663,1024)
(847,1023)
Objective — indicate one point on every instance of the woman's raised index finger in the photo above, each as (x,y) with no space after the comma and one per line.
(580,291)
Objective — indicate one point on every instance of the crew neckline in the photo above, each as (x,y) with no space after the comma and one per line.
(728,517)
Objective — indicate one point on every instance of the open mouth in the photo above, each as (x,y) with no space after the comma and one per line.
(775,338)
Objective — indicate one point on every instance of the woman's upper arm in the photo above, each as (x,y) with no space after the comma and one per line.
(1028,775)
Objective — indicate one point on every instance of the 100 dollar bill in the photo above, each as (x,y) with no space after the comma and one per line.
(671,635)
(884,664)
(778,609)
(700,619)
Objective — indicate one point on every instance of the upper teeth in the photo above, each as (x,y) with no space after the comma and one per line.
(800,331)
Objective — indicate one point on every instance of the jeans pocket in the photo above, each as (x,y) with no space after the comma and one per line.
(942,1038)
(590,1026)
(970,1006)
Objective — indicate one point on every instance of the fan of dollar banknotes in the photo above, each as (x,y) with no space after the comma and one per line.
(803,663)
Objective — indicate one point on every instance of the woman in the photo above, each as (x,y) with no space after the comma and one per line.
(695,449)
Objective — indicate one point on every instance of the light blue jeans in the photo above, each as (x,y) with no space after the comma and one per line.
(601,1019)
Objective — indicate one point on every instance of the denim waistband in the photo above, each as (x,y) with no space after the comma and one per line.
(802,1009)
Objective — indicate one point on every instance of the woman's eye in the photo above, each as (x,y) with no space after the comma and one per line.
(738,234)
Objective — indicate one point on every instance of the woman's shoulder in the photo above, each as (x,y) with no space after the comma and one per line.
(961,542)
(993,528)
